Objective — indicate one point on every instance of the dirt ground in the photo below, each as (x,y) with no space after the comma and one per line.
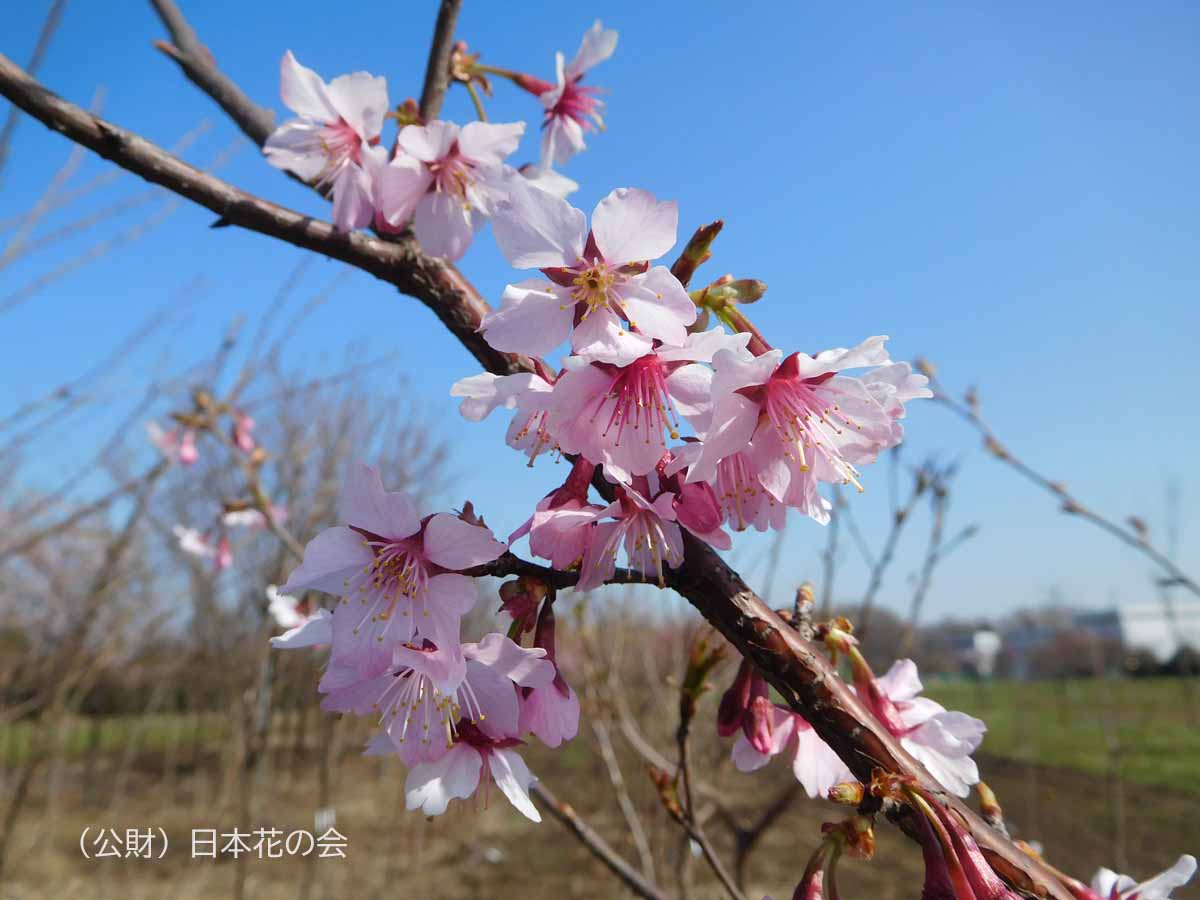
(1081,821)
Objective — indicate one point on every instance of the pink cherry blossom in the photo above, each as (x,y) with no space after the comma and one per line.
(559,529)
(571,108)
(224,555)
(527,393)
(334,142)
(241,436)
(473,760)
(193,542)
(396,573)
(1108,885)
(305,626)
(814,764)
(177,444)
(645,520)
(424,694)
(744,501)
(447,180)
(547,179)
(621,416)
(600,289)
(798,422)
(941,740)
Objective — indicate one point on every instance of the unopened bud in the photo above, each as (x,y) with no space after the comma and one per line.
(408,113)
(667,793)
(860,836)
(988,804)
(925,367)
(258,457)
(848,793)
(520,599)
(202,399)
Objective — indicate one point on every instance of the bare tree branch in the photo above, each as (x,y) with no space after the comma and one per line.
(35,62)
(437,70)
(566,814)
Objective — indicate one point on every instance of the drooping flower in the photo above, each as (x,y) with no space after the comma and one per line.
(397,574)
(941,740)
(334,143)
(224,555)
(814,764)
(193,542)
(474,759)
(549,711)
(241,435)
(797,421)
(306,625)
(177,444)
(527,393)
(600,289)
(447,180)
(621,416)
(645,520)
(1108,885)
(744,501)
(571,108)
(424,693)
(559,528)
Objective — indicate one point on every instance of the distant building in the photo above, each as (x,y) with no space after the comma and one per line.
(1160,629)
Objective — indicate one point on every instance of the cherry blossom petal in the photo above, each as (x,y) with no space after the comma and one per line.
(454,544)
(597,45)
(485,392)
(902,681)
(537,230)
(296,147)
(365,504)
(445,225)
(532,319)
(815,765)
(489,143)
(361,99)
(630,225)
(561,139)
(497,700)
(303,91)
(657,305)
(353,206)
(428,143)
(330,559)
(314,632)
(513,778)
(402,184)
(550,715)
(602,337)
(431,786)
(526,666)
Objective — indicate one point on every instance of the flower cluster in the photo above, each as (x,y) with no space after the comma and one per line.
(443,179)
(453,711)
(765,430)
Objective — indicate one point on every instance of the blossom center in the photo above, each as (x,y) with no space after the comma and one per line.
(452,174)
(341,144)
(579,103)
(641,400)
(397,575)
(413,709)
(809,424)
(592,287)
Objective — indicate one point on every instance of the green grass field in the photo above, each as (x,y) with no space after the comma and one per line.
(1149,728)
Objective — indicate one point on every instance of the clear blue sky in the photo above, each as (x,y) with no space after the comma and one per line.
(1009,189)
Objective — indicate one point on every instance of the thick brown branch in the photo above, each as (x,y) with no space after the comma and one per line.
(438,285)
(437,69)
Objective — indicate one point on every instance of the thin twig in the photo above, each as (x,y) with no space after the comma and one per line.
(1132,537)
(49,26)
